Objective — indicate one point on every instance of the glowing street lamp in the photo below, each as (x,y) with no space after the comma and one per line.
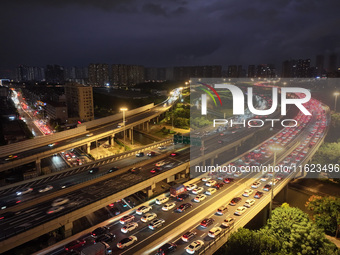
(124,110)
(274,148)
(336,94)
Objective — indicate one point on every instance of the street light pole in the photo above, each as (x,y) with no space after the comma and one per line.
(272,193)
(123,110)
(336,94)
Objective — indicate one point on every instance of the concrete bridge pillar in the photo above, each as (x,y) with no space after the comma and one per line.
(68,229)
(112,140)
(88,148)
(38,165)
(147,126)
(170,179)
(150,190)
(212,161)
(131,135)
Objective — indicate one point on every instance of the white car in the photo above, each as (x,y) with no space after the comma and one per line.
(194,246)
(55,209)
(149,216)
(160,163)
(60,201)
(162,200)
(214,232)
(275,181)
(47,188)
(143,209)
(256,184)
(191,186)
(240,210)
(249,203)
(200,198)
(205,179)
(24,191)
(129,227)
(161,147)
(228,222)
(248,192)
(126,242)
(210,183)
(168,206)
(210,191)
(264,178)
(198,190)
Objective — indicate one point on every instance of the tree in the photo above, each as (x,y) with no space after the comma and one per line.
(326,212)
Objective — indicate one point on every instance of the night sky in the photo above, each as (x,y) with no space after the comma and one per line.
(166,32)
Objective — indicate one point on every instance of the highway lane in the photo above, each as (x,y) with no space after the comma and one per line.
(146,236)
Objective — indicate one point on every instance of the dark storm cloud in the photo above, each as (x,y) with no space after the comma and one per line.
(168,32)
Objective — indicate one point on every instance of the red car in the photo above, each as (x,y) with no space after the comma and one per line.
(74,245)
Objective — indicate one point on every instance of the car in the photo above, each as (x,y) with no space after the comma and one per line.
(66,185)
(126,242)
(228,180)
(199,198)
(273,182)
(168,206)
(205,179)
(162,200)
(220,141)
(214,232)
(256,184)
(129,227)
(106,238)
(60,201)
(235,200)
(12,157)
(126,219)
(99,231)
(154,170)
(210,191)
(218,185)
(111,170)
(46,188)
(160,163)
(93,170)
(156,224)
(194,246)
(249,203)
(258,194)
(166,249)
(51,144)
(174,154)
(151,153)
(24,191)
(222,209)
(140,154)
(264,178)
(183,207)
(74,245)
(8,215)
(187,236)
(247,192)
(135,170)
(182,196)
(148,217)
(161,147)
(210,183)
(267,187)
(143,209)
(90,134)
(191,186)
(55,209)
(197,190)
(207,222)
(228,222)
(240,210)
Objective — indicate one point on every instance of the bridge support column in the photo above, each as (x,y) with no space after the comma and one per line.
(131,135)
(88,148)
(147,126)
(212,161)
(170,179)
(38,165)
(150,190)
(68,229)
(112,140)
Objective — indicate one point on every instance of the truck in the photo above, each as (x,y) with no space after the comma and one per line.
(100,248)
(177,189)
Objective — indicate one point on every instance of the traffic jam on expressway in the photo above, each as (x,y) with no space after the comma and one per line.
(192,215)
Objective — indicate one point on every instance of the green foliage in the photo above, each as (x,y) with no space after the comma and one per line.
(328,153)
(289,231)
(326,212)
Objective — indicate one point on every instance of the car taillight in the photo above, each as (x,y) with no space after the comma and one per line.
(66,249)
